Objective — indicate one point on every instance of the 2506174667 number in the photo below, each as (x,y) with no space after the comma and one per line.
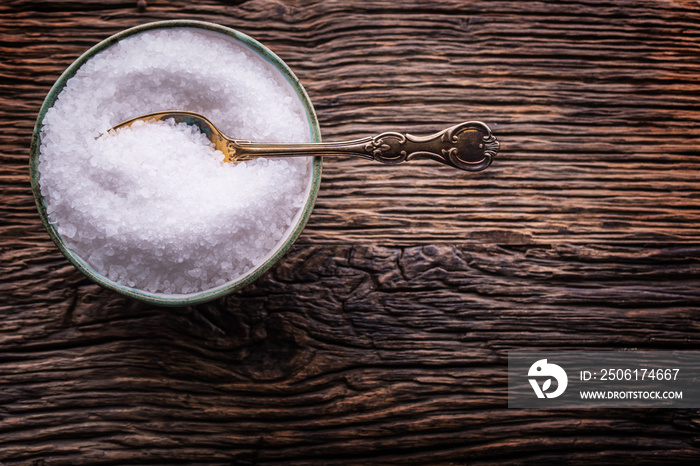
(638,374)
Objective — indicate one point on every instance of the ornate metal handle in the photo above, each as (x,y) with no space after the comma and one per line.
(468,146)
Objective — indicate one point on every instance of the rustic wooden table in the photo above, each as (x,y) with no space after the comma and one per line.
(382,337)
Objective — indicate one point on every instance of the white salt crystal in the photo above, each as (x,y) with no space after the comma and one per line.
(152,206)
(67,229)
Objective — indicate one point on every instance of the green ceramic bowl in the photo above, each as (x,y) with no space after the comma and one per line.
(292,233)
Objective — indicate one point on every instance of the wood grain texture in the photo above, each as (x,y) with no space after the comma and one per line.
(382,337)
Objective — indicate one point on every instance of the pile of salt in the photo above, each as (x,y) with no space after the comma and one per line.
(152,206)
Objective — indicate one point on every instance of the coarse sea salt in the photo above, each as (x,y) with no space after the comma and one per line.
(153,206)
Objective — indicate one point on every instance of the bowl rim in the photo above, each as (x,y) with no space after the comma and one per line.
(251,275)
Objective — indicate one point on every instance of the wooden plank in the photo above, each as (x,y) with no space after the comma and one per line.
(382,337)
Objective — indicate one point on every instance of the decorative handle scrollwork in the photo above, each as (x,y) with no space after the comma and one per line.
(467,146)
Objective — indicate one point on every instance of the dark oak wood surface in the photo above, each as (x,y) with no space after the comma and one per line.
(382,337)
